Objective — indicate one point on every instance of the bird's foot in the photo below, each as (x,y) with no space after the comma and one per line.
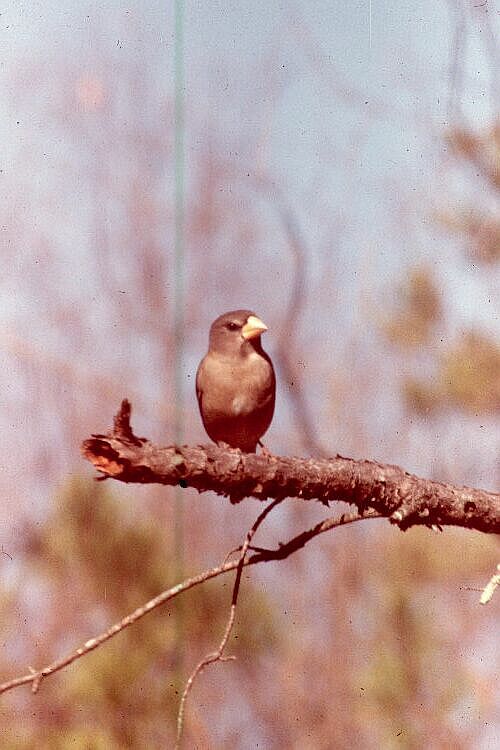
(223,445)
(265,451)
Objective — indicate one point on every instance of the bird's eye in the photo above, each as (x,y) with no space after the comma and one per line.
(231,326)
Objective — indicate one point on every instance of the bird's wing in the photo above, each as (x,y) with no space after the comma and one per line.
(199,391)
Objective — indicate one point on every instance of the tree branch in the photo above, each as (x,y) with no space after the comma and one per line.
(34,677)
(404,498)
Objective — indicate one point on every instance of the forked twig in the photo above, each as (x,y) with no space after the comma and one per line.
(219,654)
(35,677)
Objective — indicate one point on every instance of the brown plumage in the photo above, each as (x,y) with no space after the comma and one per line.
(235,382)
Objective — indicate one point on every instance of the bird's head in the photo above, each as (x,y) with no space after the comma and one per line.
(236,331)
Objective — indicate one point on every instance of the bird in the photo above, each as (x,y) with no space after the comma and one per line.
(235,382)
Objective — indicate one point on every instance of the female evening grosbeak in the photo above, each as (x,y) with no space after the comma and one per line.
(235,382)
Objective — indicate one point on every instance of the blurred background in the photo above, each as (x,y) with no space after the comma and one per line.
(336,168)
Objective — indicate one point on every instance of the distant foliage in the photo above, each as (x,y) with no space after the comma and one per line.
(466,372)
(468,378)
(418,310)
(482,233)
(479,225)
(96,561)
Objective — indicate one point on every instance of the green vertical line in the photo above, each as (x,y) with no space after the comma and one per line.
(178,314)
(179,219)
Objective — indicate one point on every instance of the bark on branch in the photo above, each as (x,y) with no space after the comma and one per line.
(404,498)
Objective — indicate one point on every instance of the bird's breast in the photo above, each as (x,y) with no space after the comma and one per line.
(237,388)
(241,404)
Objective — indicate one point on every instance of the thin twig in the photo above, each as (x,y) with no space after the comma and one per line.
(455,71)
(219,654)
(490,587)
(35,676)
(283,550)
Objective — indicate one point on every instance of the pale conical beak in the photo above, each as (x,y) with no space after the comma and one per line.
(253,327)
